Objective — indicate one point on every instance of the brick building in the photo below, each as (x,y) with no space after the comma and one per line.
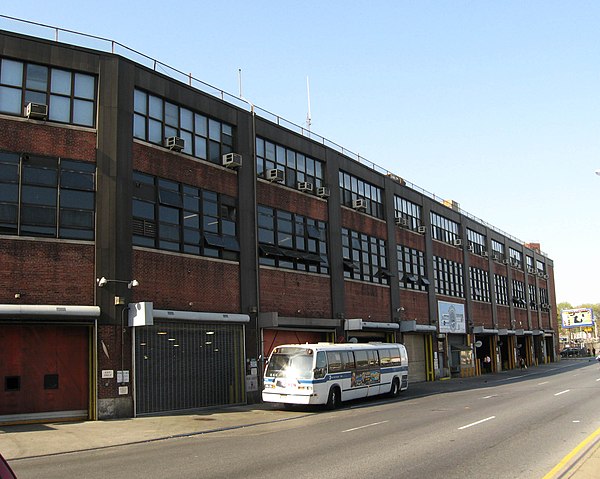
(157,241)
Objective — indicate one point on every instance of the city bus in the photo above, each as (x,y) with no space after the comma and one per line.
(327,373)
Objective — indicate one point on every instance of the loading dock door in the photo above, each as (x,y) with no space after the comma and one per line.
(187,365)
(417,365)
(44,369)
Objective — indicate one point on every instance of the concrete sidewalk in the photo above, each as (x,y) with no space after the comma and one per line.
(32,440)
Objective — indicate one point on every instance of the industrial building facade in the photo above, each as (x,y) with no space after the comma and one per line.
(157,242)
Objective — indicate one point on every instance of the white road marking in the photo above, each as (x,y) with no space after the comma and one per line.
(563,392)
(477,422)
(366,425)
(598,379)
(491,396)
(545,382)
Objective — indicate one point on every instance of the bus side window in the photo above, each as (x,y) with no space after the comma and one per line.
(373,359)
(385,357)
(321,366)
(396,357)
(362,360)
(348,361)
(334,361)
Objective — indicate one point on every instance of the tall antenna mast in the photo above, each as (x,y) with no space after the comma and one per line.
(308,117)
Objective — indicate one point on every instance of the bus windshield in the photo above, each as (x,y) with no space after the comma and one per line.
(290,363)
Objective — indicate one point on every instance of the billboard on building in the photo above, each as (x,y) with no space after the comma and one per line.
(576,318)
(452,317)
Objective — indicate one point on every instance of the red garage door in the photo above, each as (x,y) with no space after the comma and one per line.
(44,371)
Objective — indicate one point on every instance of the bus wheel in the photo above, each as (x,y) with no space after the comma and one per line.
(333,401)
(395,390)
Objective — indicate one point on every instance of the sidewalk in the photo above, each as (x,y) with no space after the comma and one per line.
(31,440)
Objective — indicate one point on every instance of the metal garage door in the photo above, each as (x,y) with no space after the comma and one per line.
(415,346)
(188,365)
(45,371)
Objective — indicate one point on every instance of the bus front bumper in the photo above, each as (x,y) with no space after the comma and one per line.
(290,398)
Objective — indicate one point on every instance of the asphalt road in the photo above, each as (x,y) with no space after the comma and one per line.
(514,427)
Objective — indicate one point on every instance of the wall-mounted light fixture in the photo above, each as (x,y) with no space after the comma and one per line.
(130,284)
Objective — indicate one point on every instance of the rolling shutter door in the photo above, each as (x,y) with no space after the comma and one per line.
(415,346)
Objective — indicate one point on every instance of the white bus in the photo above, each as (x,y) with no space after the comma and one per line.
(327,373)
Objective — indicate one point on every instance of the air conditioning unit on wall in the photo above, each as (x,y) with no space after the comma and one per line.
(274,175)
(422,229)
(359,204)
(401,221)
(232,160)
(457,242)
(323,192)
(175,143)
(305,186)
(37,111)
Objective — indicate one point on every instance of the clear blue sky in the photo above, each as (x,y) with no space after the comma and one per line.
(494,104)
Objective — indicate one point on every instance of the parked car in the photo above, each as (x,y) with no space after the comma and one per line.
(573,352)
(5,471)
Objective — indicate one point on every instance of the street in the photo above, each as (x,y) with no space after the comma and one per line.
(518,425)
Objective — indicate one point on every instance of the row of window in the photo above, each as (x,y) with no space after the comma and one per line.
(339,361)
(69,96)
(46,196)
(359,194)
(296,167)
(292,241)
(156,119)
(364,257)
(177,217)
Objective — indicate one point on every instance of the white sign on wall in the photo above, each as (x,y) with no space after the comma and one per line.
(451,317)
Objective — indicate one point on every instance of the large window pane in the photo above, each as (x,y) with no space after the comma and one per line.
(83,112)
(60,82)
(10,100)
(84,86)
(37,77)
(59,108)
(11,73)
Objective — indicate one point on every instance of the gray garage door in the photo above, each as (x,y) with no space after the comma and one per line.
(188,365)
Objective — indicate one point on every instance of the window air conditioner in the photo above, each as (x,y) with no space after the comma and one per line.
(37,111)
(485,254)
(506,261)
(422,229)
(458,242)
(540,274)
(305,186)
(401,221)
(545,276)
(495,257)
(323,192)
(232,160)
(531,270)
(514,263)
(274,175)
(359,204)
(174,143)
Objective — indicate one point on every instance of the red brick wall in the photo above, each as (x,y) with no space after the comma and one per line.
(504,317)
(287,199)
(46,272)
(521,319)
(186,283)
(295,294)
(364,223)
(449,252)
(178,167)
(30,137)
(482,314)
(109,337)
(411,239)
(367,301)
(416,306)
